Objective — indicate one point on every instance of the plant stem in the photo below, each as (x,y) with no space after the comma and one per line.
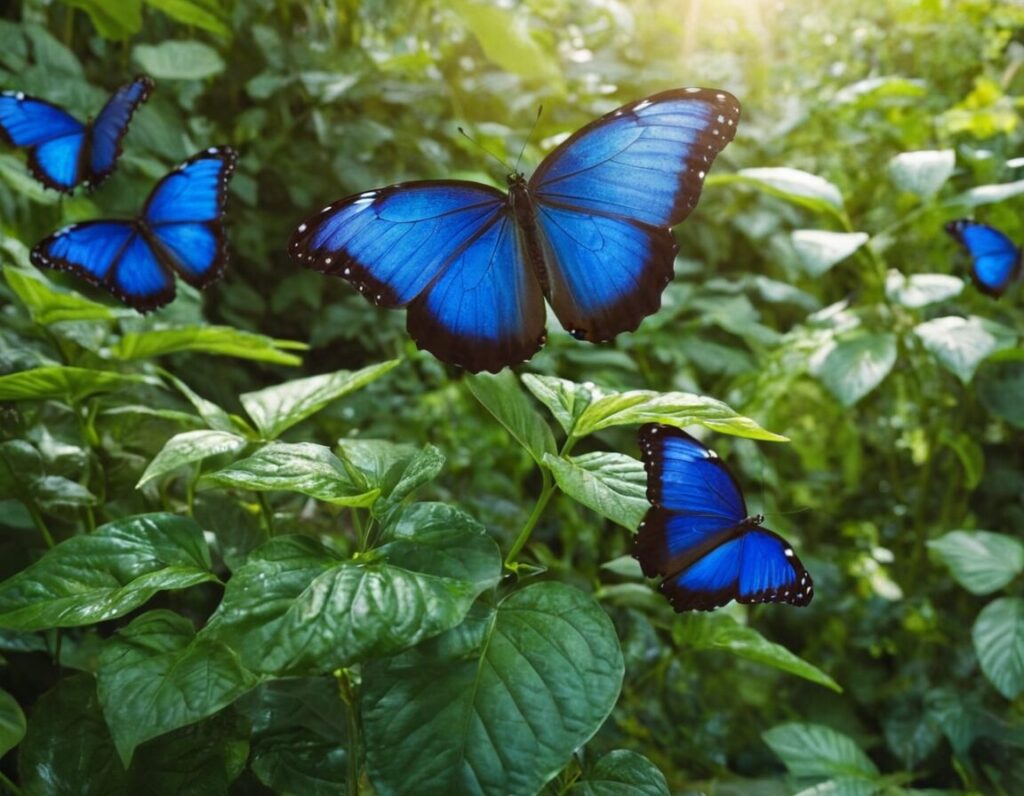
(266,511)
(10,786)
(350,696)
(40,523)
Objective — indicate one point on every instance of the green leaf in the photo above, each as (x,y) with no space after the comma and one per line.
(276,409)
(1000,386)
(47,304)
(981,561)
(922,173)
(155,676)
(12,723)
(67,749)
(215,417)
(222,340)
(920,290)
(673,408)
(854,367)
(301,467)
(14,174)
(62,383)
(961,344)
(22,477)
(612,484)
(502,397)
(178,60)
(540,671)
(424,467)
(812,750)
(990,194)
(793,185)
(296,608)
(621,773)
(566,399)
(205,14)
(298,736)
(722,632)
(188,448)
(107,573)
(379,462)
(506,40)
(117,21)
(999,644)
(819,249)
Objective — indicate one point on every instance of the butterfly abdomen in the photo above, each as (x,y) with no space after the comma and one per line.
(526,221)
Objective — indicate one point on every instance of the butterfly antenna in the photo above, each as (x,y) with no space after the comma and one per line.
(533,129)
(472,140)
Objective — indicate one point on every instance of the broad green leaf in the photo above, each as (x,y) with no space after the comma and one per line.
(505,39)
(854,367)
(502,396)
(793,185)
(118,21)
(920,290)
(612,484)
(155,676)
(819,249)
(47,304)
(107,573)
(673,408)
(961,344)
(379,462)
(22,477)
(12,723)
(205,14)
(812,750)
(851,786)
(62,383)
(67,749)
(981,561)
(565,399)
(13,172)
(924,172)
(301,467)
(276,409)
(424,467)
(722,632)
(215,417)
(299,730)
(999,644)
(222,340)
(178,60)
(1000,386)
(621,773)
(990,194)
(296,608)
(188,448)
(540,671)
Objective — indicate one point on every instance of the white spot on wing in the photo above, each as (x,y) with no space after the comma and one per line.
(642,104)
(302,227)
(692,90)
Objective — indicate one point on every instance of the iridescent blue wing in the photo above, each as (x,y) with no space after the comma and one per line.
(607,197)
(109,128)
(995,260)
(697,534)
(54,138)
(183,216)
(449,251)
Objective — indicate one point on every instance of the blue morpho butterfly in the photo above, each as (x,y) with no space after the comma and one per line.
(179,230)
(698,535)
(590,231)
(62,151)
(995,259)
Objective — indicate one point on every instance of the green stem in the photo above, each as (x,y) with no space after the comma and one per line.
(11,786)
(350,696)
(360,529)
(266,511)
(40,523)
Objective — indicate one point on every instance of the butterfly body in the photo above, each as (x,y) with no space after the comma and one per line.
(590,232)
(179,231)
(62,151)
(699,537)
(995,259)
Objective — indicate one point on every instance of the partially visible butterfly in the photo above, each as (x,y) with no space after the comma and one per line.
(178,231)
(590,231)
(62,151)
(995,259)
(699,537)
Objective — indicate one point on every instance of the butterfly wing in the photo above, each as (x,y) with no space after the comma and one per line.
(54,138)
(107,132)
(995,260)
(697,534)
(448,250)
(183,217)
(607,197)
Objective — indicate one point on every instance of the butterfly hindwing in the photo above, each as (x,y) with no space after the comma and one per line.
(110,127)
(608,195)
(995,259)
(697,535)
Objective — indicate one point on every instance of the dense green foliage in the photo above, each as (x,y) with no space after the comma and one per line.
(238,563)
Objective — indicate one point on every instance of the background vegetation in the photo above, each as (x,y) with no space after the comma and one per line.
(219,578)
